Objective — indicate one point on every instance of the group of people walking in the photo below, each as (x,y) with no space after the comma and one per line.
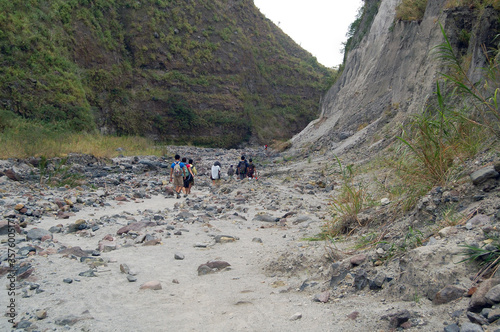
(244,169)
(182,173)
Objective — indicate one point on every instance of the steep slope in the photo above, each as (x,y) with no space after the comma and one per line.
(204,72)
(393,73)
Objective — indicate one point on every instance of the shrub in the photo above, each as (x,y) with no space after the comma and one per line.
(411,10)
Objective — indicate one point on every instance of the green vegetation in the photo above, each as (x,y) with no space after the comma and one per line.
(345,207)
(59,175)
(360,27)
(487,256)
(461,121)
(411,10)
(25,139)
(473,3)
(156,68)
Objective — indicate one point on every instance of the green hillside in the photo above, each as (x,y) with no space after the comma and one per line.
(206,72)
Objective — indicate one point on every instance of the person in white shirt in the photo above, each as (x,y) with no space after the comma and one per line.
(215,176)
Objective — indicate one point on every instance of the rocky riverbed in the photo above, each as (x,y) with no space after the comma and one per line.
(113,250)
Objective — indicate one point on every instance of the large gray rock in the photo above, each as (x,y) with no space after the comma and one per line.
(483,174)
(478,300)
(38,234)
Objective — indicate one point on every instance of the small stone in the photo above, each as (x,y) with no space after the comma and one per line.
(154,285)
(493,295)
(353,315)
(124,268)
(452,328)
(358,259)
(41,314)
(296,316)
(24,324)
(257,239)
(478,319)
(322,297)
(471,327)
(68,280)
(178,256)
(399,318)
(493,315)
(89,273)
(448,294)
(131,278)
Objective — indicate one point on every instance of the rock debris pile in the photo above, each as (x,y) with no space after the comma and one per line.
(115,247)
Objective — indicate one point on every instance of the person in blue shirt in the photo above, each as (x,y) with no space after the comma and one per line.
(177,173)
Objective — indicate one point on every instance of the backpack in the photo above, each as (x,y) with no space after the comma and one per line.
(189,177)
(242,167)
(250,170)
(178,170)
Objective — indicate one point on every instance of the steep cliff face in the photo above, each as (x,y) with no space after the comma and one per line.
(214,73)
(392,74)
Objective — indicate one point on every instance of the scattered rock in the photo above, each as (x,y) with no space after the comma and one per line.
(154,285)
(448,294)
(38,234)
(483,174)
(322,297)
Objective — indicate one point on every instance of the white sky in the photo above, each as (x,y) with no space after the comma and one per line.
(318,26)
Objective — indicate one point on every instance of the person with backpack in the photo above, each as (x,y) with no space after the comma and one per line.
(230,172)
(177,173)
(251,173)
(188,176)
(215,174)
(241,169)
(194,172)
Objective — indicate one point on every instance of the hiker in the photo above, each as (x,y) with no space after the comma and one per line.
(194,172)
(188,176)
(241,169)
(177,173)
(215,175)
(251,169)
(230,172)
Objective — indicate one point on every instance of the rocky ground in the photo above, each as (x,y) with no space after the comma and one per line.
(115,251)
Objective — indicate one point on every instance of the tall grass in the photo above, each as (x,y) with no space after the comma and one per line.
(347,204)
(482,95)
(457,125)
(31,139)
(411,10)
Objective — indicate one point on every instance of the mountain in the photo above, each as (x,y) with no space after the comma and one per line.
(205,72)
(390,72)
